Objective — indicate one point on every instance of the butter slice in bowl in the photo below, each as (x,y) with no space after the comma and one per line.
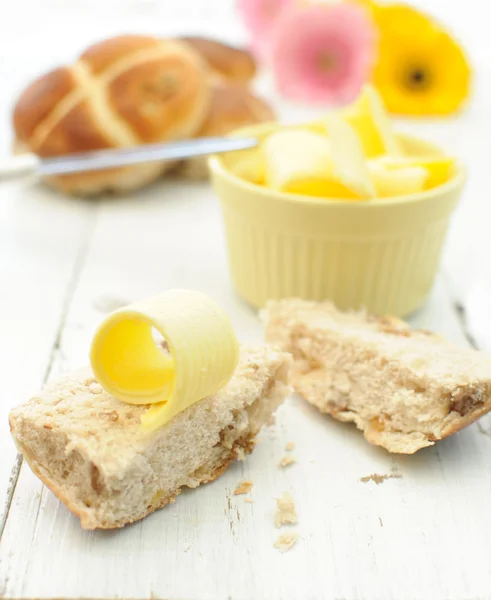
(368,117)
(303,162)
(162,417)
(248,165)
(439,168)
(351,154)
(389,182)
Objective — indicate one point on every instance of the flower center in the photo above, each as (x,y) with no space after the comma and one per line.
(327,61)
(417,79)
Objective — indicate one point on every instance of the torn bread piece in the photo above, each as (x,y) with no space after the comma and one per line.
(90,450)
(405,389)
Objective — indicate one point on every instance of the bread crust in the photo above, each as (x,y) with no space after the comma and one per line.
(232,107)
(102,55)
(38,99)
(233,64)
(405,389)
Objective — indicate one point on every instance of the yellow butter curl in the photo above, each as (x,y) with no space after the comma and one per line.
(202,355)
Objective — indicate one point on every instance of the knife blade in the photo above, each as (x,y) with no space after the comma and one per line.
(30,164)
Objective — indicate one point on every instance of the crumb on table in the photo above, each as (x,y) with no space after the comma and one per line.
(290,446)
(286,460)
(286,541)
(244,487)
(285,511)
(249,500)
(378,479)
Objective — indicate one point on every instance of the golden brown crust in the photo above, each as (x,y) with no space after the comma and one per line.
(465,421)
(99,57)
(226,61)
(161,98)
(109,181)
(39,99)
(233,106)
(77,130)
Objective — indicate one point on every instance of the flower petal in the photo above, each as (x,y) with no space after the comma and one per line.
(259,17)
(323,53)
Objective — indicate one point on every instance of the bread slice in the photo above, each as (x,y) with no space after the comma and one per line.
(405,389)
(89,449)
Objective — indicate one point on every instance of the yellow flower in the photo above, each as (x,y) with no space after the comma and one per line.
(421,69)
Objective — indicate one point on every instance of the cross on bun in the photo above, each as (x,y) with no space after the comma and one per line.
(121,92)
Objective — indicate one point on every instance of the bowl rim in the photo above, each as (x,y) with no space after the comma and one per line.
(217,167)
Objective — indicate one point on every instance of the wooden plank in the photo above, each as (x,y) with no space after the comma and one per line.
(42,240)
(424,535)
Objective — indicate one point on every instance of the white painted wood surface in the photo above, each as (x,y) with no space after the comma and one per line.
(63,263)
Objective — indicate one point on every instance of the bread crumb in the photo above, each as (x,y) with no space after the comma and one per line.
(286,541)
(249,500)
(286,460)
(285,511)
(290,446)
(244,487)
(378,479)
(271,421)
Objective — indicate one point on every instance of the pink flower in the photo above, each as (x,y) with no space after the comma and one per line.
(323,53)
(259,18)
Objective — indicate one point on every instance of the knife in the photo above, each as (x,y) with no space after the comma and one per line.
(29,164)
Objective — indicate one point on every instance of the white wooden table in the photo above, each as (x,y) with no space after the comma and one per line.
(64,263)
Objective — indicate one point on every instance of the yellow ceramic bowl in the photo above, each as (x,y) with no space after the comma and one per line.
(382,254)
